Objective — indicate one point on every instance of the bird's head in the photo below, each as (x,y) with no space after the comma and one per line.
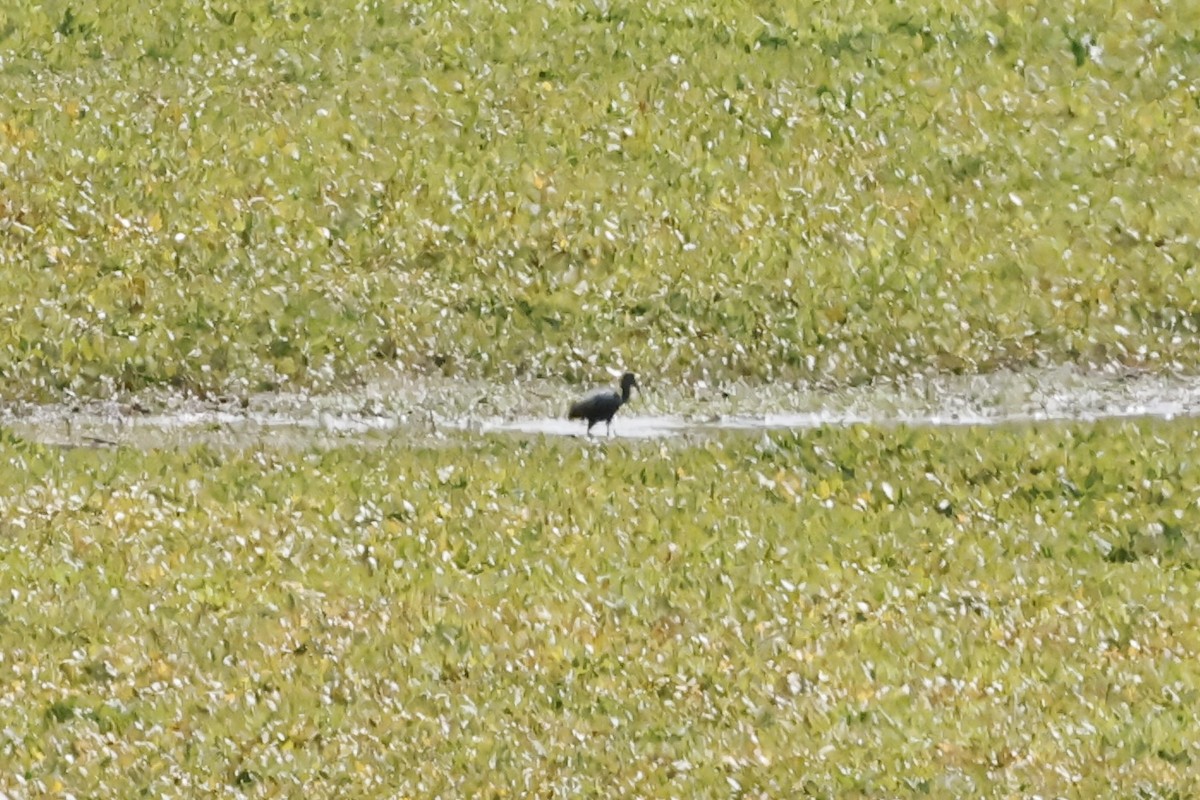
(628,381)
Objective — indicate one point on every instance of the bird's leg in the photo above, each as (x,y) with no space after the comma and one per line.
(609,424)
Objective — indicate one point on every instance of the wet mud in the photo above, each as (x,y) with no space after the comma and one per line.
(398,411)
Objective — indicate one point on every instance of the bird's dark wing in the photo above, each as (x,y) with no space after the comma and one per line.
(595,404)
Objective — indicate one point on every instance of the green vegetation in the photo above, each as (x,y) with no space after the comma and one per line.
(230,196)
(958,613)
(226,197)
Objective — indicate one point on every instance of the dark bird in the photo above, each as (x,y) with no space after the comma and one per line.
(601,404)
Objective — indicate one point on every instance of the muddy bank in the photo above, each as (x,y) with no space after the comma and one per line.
(408,410)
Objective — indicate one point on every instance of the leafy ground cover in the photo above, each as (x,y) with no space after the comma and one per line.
(846,611)
(237,196)
(228,198)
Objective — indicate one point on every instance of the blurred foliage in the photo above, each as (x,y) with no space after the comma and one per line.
(845,612)
(255,194)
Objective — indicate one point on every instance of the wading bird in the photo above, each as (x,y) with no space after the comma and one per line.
(601,404)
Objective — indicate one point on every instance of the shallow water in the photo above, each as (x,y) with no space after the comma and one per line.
(428,411)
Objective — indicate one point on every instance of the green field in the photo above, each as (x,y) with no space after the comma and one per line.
(851,611)
(231,196)
(224,203)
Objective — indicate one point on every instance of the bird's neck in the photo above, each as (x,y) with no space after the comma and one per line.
(625,390)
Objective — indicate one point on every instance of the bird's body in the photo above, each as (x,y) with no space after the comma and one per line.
(599,405)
